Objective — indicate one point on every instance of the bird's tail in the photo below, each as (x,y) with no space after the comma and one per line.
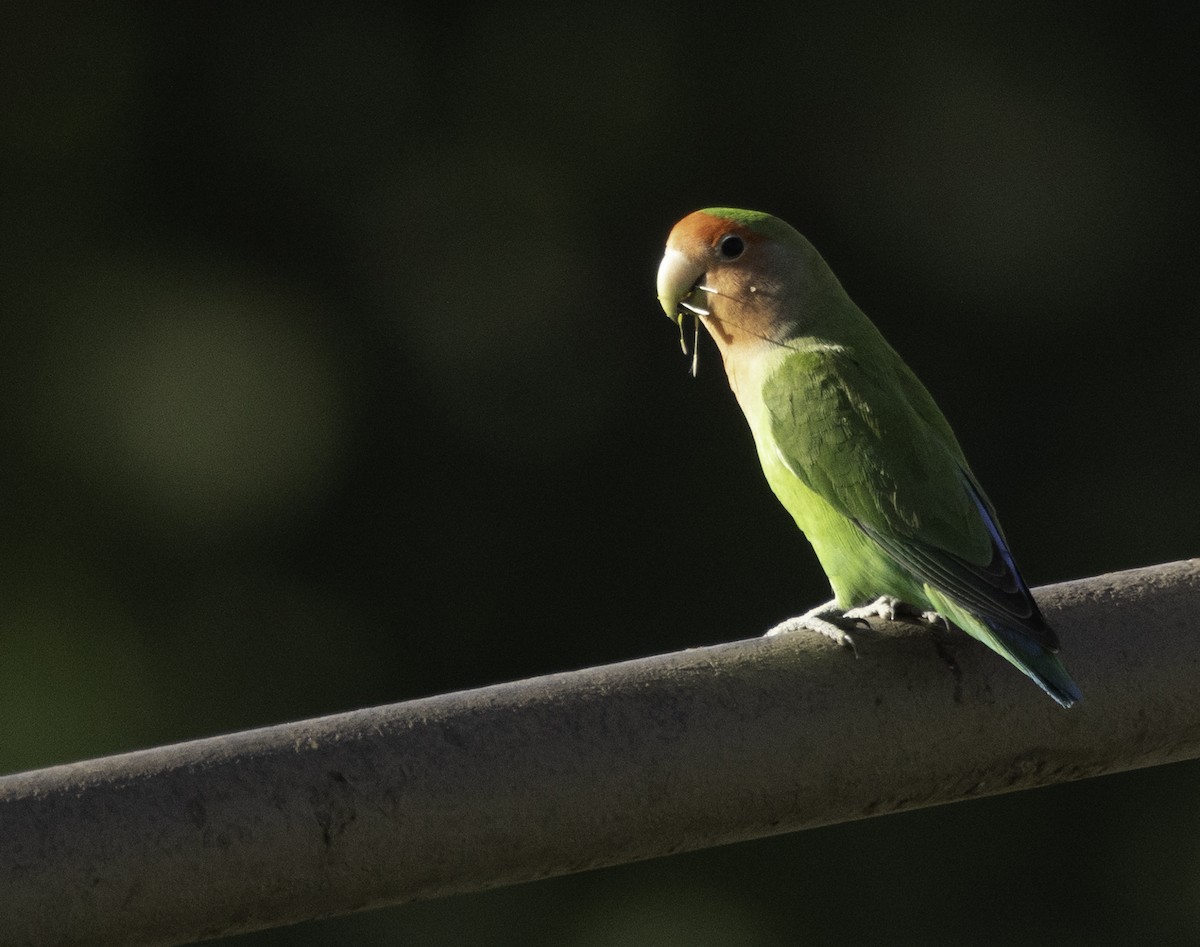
(1015,645)
(1043,667)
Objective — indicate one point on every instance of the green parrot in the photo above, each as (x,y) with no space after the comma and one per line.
(852,444)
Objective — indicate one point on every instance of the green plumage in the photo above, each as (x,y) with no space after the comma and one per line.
(850,441)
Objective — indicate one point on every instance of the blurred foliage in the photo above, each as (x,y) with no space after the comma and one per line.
(334,376)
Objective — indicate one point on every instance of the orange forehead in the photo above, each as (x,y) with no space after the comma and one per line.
(708,228)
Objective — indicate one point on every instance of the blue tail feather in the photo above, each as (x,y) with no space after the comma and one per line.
(1043,667)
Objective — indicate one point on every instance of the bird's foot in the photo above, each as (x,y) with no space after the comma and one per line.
(934,618)
(886,607)
(824,620)
(890,608)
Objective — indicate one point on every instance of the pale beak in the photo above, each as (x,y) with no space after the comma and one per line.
(677,279)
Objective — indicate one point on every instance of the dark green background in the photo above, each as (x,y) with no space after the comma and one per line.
(333,375)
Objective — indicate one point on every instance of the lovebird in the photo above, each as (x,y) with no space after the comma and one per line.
(851,443)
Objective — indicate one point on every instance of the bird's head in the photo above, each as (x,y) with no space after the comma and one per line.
(742,273)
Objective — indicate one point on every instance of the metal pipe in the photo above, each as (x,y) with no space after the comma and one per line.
(596,767)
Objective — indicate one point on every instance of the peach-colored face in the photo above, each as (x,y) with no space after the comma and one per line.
(713,268)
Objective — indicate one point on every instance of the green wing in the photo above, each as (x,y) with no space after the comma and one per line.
(873,444)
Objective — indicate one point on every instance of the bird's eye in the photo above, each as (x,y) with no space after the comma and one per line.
(731,247)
